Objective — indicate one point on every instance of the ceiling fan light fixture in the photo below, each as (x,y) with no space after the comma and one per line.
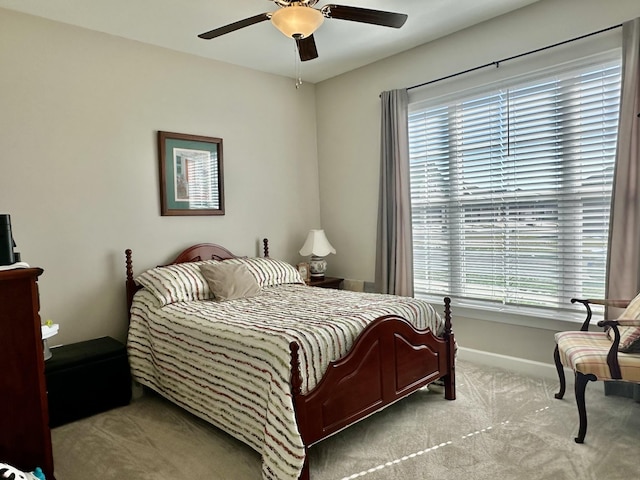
(296,21)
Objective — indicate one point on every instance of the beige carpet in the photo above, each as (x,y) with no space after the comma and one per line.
(502,426)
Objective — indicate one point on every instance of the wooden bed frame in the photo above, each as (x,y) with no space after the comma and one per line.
(389,360)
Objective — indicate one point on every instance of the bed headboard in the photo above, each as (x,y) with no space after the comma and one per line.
(203,251)
(195,253)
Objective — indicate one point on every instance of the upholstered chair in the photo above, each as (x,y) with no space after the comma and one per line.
(611,354)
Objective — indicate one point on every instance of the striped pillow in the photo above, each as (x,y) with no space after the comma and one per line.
(629,335)
(182,282)
(269,271)
(629,339)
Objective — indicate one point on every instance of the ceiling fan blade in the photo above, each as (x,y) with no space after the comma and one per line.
(307,48)
(364,15)
(232,27)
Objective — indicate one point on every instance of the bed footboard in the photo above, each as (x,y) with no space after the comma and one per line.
(389,360)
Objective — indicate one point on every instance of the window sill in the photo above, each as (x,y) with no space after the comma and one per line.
(547,319)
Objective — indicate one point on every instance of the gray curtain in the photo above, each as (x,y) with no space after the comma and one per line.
(623,262)
(394,250)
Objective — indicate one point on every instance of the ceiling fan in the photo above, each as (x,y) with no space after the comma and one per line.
(298,19)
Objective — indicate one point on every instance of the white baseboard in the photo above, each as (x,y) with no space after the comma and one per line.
(515,364)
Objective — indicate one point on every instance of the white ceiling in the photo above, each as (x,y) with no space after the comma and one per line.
(342,45)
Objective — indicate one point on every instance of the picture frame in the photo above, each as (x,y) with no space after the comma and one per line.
(191,174)
(305,273)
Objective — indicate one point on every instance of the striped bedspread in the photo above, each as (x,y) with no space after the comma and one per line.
(229,362)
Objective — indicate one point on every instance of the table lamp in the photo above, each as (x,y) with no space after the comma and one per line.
(318,247)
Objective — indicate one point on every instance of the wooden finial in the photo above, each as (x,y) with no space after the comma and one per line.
(130,283)
(127,254)
(447,316)
(266,247)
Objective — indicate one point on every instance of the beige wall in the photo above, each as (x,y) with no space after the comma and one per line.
(79,169)
(79,173)
(348,121)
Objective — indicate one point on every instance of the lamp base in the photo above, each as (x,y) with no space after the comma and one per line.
(317,267)
(46,351)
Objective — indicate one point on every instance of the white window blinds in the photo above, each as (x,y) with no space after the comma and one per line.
(511,188)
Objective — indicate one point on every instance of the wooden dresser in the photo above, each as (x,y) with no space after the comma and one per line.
(25,438)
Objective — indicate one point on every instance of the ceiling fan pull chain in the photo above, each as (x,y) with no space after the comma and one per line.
(297,66)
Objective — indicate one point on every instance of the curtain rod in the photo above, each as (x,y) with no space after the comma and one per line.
(498,62)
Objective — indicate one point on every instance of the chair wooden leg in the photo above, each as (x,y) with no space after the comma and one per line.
(560,369)
(581,386)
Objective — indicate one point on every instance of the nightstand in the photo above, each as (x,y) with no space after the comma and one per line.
(86,378)
(327,282)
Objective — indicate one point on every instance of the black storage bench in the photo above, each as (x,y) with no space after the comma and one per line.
(86,378)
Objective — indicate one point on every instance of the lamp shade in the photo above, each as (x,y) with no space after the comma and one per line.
(317,244)
(297,21)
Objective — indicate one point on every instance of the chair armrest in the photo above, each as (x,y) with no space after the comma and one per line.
(626,322)
(612,356)
(597,301)
(608,302)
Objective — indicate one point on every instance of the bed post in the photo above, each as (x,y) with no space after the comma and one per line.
(265,241)
(130,283)
(447,316)
(298,405)
(450,378)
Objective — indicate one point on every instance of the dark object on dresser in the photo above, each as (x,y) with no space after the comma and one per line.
(25,438)
(86,378)
(7,256)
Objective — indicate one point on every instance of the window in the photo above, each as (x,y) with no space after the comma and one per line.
(511,188)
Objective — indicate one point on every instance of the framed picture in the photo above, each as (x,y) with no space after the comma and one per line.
(303,268)
(191,174)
